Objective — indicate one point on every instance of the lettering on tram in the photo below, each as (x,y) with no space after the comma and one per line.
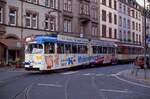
(47,52)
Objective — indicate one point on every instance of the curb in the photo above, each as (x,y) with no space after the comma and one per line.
(127,74)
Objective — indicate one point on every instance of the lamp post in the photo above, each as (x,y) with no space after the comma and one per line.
(144,33)
(145,30)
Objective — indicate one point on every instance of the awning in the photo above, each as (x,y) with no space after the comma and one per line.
(11,44)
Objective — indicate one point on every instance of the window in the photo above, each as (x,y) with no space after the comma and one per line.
(67,25)
(53,3)
(120,7)
(49,48)
(31,20)
(137,26)
(103,15)
(133,13)
(110,17)
(94,30)
(52,23)
(46,22)
(124,22)
(34,21)
(110,32)
(115,19)
(115,4)
(129,35)
(133,25)
(12,16)
(129,22)
(129,11)
(137,38)
(120,35)
(110,3)
(120,21)
(133,37)
(94,12)
(1,15)
(124,9)
(103,30)
(60,48)
(47,3)
(136,15)
(84,9)
(68,5)
(104,2)
(28,20)
(115,33)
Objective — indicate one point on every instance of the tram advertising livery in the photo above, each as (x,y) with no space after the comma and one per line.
(45,52)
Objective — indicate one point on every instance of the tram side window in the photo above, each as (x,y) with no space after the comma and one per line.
(68,48)
(104,49)
(60,48)
(94,49)
(49,48)
(82,49)
(74,49)
(97,49)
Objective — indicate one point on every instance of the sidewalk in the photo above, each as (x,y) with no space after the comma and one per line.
(131,74)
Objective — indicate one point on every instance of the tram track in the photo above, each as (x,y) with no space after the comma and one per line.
(24,92)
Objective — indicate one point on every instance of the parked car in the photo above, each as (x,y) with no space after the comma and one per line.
(139,61)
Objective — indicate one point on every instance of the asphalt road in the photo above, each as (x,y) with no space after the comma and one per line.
(91,83)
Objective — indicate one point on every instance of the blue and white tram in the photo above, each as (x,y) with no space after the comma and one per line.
(50,53)
(45,52)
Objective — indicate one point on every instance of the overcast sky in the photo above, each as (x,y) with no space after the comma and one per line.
(141,2)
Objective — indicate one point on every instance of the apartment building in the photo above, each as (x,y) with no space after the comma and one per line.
(109,20)
(79,18)
(130,18)
(121,21)
(22,18)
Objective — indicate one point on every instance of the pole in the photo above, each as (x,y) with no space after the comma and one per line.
(22,44)
(145,34)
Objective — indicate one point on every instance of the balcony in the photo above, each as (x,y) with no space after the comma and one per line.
(67,13)
(84,17)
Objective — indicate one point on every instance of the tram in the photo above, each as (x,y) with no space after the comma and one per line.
(47,52)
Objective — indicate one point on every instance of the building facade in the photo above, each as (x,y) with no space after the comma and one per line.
(121,21)
(79,18)
(22,18)
(118,21)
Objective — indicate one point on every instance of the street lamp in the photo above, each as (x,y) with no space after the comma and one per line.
(145,35)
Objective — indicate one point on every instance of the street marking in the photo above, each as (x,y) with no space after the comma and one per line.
(100,75)
(88,74)
(50,85)
(71,72)
(127,81)
(111,90)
